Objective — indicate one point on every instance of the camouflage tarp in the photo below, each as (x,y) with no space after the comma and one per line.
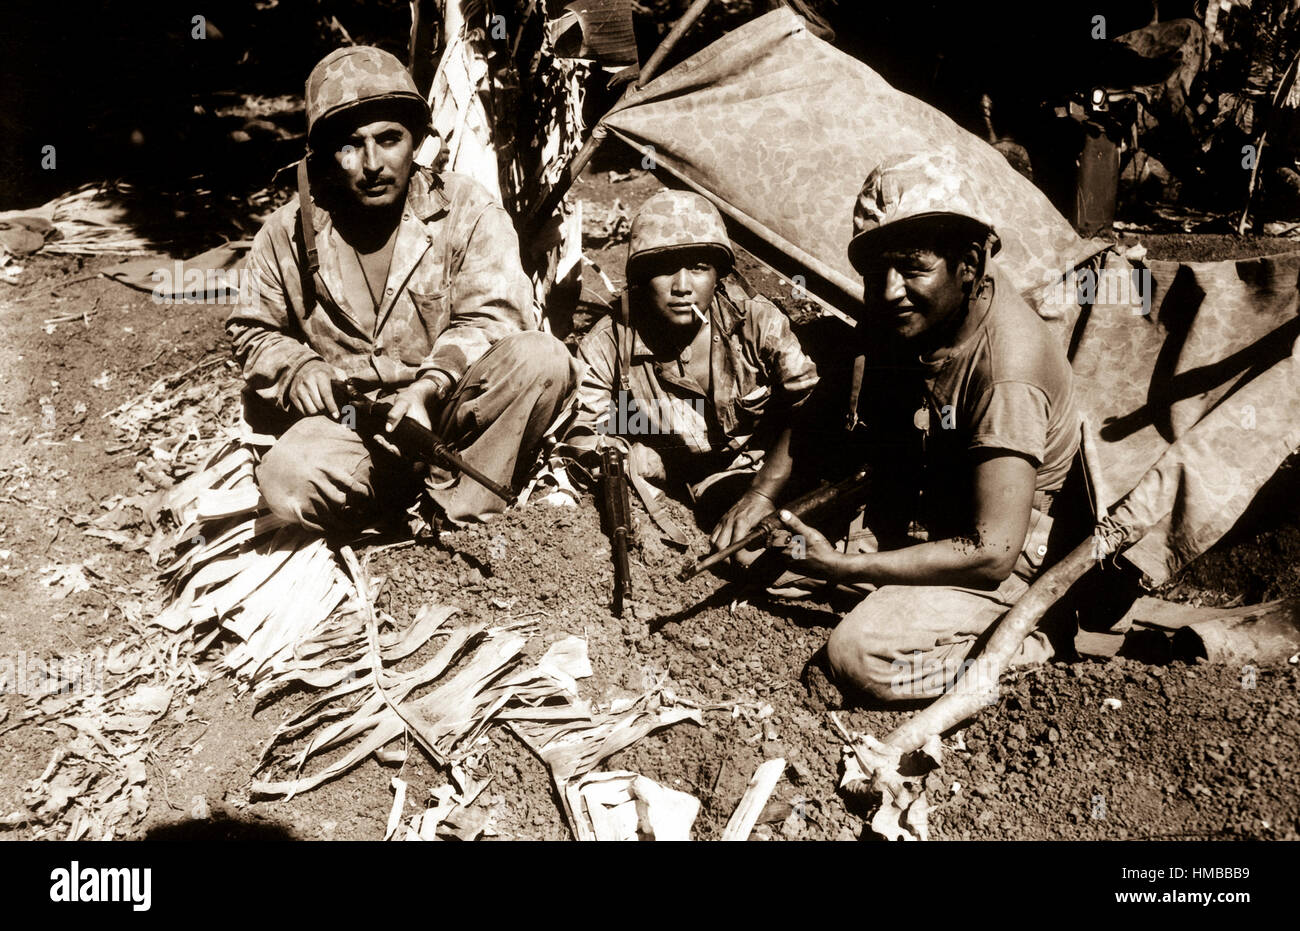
(779,129)
(1189,374)
(1195,394)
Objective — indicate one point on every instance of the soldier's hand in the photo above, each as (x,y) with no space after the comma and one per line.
(807,549)
(740,519)
(311,392)
(415,401)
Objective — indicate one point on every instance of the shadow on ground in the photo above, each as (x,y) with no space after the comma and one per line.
(221,828)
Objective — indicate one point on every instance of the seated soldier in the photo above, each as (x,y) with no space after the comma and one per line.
(419,295)
(998,432)
(699,379)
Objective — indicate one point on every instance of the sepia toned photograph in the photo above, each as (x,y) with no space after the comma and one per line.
(772,420)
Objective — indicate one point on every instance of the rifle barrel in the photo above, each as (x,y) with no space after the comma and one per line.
(802,506)
(410,434)
(618,520)
(428,440)
(622,570)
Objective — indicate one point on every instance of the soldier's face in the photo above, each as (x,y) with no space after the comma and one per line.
(675,281)
(375,160)
(911,291)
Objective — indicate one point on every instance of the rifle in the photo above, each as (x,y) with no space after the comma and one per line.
(618,519)
(848,493)
(412,439)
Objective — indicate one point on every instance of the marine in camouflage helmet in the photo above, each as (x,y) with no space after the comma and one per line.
(349,77)
(406,283)
(912,192)
(672,220)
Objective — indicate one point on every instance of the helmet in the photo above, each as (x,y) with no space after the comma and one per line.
(901,191)
(355,75)
(677,220)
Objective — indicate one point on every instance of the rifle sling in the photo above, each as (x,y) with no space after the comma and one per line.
(655,508)
(310,260)
(855,391)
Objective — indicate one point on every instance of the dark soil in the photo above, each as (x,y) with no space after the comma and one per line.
(1259,559)
(1204,752)
(1209,247)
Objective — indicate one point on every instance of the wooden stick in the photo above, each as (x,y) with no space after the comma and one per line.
(980,684)
(670,41)
(754,800)
(83,316)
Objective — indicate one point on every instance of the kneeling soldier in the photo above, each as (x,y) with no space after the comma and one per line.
(998,432)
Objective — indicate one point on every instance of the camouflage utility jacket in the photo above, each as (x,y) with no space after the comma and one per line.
(455,286)
(757,368)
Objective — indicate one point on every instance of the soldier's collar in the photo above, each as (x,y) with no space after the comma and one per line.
(425,194)
(639,349)
(729,314)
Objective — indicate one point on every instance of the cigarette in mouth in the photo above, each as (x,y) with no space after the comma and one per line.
(699,313)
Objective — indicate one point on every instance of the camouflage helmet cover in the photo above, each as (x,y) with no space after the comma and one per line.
(350,76)
(902,192)
(673,220)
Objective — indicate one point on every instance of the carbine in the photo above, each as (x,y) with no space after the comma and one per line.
(618,519)
(413,440)
(845,494)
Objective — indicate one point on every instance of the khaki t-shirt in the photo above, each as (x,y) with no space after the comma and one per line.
(1007,386)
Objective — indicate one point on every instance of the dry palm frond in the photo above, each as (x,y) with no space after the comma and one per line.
(106,704)
(473,678)
(625,806)
(183,418)
(572,741)
(290,612)
(94,221)
(453,713)
(572,748)
(458,708)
